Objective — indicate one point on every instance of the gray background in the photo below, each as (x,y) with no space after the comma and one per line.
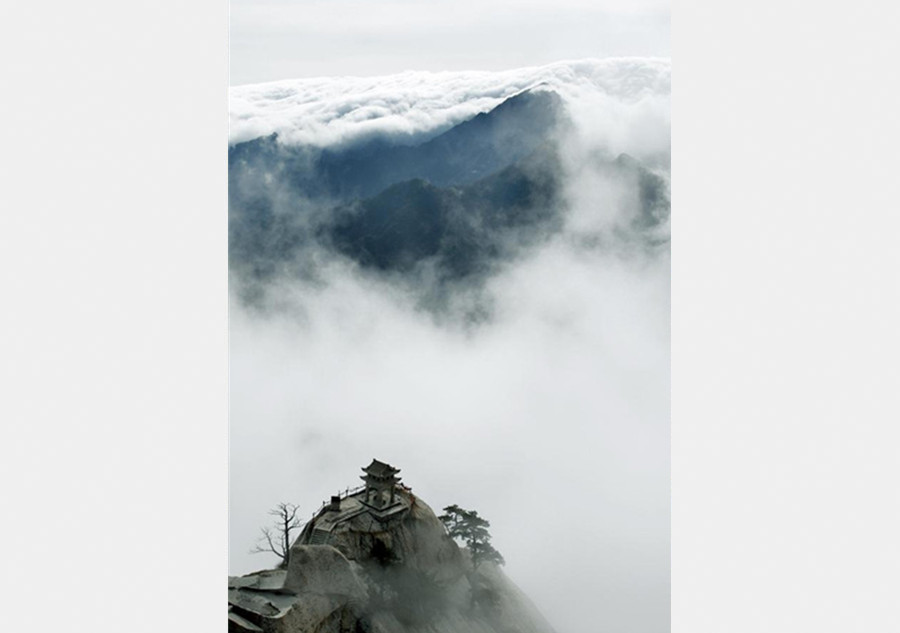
(282,39)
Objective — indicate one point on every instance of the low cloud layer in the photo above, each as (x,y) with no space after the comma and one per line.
(551,418)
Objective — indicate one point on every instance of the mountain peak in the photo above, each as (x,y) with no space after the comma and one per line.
(382,563)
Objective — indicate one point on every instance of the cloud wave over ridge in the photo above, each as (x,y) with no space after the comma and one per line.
(327,110)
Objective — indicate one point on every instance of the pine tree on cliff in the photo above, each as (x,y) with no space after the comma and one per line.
(472,530)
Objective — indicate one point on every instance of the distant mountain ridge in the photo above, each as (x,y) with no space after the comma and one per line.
(467,152)
(463,154)
(463,228)
(462,202)
(390,206)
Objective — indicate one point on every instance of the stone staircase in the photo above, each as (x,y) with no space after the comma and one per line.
(319,537)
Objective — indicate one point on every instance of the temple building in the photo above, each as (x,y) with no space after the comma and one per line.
(381,480)
(368,508)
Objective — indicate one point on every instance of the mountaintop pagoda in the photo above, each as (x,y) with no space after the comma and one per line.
(380,478)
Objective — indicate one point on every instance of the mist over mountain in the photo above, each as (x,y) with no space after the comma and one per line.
(467,152)
(463,154)
(467,273)
(461,203)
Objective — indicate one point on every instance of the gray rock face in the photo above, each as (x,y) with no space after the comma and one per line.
(323,571)
(410,536)
(359,570)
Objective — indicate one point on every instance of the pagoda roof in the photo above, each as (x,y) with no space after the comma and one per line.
(380,469)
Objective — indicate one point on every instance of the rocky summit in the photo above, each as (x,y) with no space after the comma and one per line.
(378,560)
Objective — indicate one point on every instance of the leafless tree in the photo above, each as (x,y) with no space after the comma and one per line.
(277,537)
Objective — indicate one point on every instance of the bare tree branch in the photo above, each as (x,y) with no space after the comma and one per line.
(276,539)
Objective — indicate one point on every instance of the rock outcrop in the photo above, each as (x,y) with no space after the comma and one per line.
(360,569)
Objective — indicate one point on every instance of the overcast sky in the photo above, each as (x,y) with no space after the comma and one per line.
(283,39)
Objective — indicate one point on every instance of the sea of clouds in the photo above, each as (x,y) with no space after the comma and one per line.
(624,94)
(551,418)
